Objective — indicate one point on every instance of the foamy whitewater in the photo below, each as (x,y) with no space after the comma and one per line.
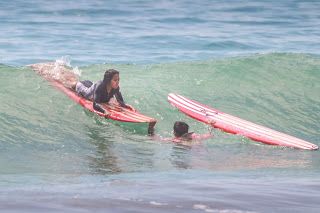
(255,60)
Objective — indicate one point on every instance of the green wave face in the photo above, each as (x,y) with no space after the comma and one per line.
(281,91)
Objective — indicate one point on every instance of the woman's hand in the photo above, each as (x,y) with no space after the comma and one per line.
(130,107)
(211,121)
(106,113)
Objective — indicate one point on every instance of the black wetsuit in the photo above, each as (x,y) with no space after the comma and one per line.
(101,95)
(98,94)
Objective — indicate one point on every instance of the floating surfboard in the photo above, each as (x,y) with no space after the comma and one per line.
(60,77)
(235,125)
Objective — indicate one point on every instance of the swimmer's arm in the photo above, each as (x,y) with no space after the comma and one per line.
(202,136)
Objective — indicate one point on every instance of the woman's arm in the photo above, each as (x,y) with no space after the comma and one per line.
(202,136)
(98,107)
(97,98)
(119,98)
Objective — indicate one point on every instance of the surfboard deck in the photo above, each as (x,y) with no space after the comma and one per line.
(235,125)
(50,70)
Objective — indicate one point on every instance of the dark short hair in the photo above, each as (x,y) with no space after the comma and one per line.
(108,75)
(180,128)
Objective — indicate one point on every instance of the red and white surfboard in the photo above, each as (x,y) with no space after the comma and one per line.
(50,69)
(115,113)
(235,125)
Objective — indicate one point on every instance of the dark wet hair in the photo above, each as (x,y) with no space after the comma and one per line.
(108,75)
(180,128)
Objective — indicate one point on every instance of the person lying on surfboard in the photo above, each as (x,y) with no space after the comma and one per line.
(106,91)
(102,91)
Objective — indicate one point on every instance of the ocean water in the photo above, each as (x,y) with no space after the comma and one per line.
(258,60)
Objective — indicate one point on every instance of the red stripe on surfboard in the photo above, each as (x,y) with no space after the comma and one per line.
(133,114)
(136,114)
(115,115)
(130,116)
(249,129)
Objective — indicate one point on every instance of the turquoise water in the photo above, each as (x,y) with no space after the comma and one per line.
(256,60)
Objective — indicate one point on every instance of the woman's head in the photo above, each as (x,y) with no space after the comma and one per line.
(111,77)
(180,128)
